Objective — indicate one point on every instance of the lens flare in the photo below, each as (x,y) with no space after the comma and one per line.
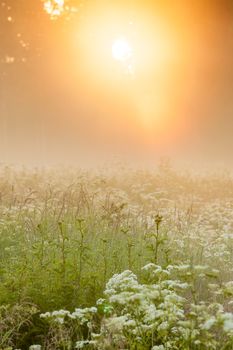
(54,7)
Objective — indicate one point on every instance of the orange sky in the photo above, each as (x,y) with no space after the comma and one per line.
(63,98)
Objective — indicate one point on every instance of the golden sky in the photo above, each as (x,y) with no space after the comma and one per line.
(65,97)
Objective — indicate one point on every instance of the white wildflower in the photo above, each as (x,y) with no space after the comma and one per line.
(35,347)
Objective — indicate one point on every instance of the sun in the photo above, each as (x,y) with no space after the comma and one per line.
(121,50)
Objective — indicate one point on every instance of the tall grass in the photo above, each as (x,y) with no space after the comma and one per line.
(65,233)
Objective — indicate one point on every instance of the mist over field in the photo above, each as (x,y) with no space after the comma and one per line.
(65,99)
(116,182)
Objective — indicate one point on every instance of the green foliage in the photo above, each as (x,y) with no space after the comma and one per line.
(64,234)
(14,321)
(153,315)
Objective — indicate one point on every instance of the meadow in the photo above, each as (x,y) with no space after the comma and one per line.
(116,259)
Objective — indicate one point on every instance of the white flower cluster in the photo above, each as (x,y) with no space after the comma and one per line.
(35,347)
(82,315)
(83,343)
(154,315)
(57,316)
(142,311)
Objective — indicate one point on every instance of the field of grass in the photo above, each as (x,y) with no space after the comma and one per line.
(124,259)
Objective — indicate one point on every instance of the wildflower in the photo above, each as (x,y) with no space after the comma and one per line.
(35,347)
(227,322)
(81,344)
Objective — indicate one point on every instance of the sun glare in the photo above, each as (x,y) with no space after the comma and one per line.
(134,57)
(121,50)
(54,7)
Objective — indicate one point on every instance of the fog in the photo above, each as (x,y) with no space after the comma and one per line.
(63,99)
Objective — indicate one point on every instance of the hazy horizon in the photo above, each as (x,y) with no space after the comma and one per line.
(65,100)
